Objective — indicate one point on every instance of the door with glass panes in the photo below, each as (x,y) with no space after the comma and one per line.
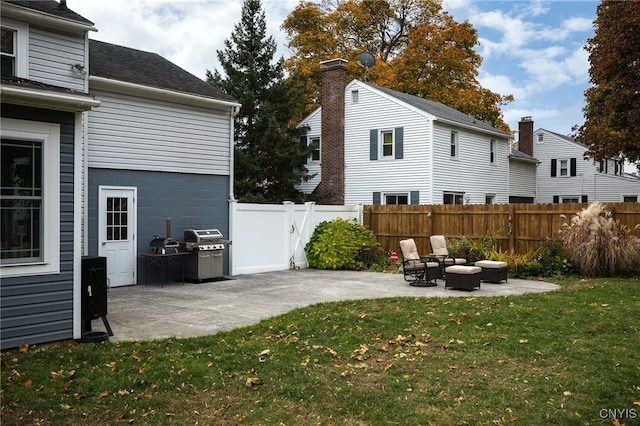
(116,234)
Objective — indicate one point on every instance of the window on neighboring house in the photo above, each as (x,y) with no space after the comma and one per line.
(387,143)
(396,199)
(564,167)
(571,199)
(453,198)
(30,197)
(492,151)
(629,198)
(490,199)
(540,138)
(8,52)
(453,152)
(355,97)
(315,154)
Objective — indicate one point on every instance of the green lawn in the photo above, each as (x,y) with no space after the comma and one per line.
(569,358)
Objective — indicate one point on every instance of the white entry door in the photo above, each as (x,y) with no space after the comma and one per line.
(117,233)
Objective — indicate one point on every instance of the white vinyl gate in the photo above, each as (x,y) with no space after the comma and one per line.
(272,237)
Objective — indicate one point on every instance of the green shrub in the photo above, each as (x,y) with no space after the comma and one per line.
(599,246)
(344,244)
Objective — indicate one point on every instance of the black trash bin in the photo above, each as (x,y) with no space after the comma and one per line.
(94,297)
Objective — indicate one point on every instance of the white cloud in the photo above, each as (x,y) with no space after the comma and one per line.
(186,32)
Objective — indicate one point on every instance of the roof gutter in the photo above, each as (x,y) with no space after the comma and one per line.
(47,99)
(10,10)
(160,94)
(496,132)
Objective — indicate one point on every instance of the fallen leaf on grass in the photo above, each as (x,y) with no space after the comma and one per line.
(24,347)
(27,383)
(524,341)
(103,394)
(567,393)
(254,382)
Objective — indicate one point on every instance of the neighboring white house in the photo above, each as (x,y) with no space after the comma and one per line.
(394,148)
(565,176)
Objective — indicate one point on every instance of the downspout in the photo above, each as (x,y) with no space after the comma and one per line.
(233,112)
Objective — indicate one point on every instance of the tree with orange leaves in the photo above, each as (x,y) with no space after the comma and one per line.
(418,47)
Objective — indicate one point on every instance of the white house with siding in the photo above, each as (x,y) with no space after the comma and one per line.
(565,176)
(401,149)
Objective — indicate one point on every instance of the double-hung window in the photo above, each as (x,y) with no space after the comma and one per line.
(564,167)
(8,52)
(492,151)
(387,143)
(13,48)
(30,198)
(454,148)
(315,154)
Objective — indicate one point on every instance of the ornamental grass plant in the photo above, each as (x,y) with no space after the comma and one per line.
(599,246)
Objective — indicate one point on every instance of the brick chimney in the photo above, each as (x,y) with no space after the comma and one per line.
(333,83)
(525,140)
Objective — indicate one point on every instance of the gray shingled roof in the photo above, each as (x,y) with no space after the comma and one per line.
(440,110)
(50,7)
(146,68)
(517,154)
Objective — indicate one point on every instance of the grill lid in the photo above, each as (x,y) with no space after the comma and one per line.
(202,236)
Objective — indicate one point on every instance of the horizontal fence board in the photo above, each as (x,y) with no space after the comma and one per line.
(517,227)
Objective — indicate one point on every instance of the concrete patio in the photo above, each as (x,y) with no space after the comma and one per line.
(190,310)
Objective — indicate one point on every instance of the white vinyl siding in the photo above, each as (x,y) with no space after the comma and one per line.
(471,173)
(52,56)
(522,179)
(133,133)
(363,177)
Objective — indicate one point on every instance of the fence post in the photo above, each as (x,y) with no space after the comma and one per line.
(512,227)
(289,229)
(233,207)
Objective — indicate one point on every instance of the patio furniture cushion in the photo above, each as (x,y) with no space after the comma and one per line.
(492,270)
(465,277)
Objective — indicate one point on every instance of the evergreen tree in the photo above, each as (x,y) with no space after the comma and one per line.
(269,159)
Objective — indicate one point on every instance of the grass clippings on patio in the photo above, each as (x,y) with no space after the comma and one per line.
(568,357)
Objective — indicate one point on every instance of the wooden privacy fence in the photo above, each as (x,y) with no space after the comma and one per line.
(516,227)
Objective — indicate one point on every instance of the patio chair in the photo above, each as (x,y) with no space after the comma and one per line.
(439,250)
(417,271)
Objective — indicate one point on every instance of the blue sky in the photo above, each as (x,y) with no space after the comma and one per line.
(533,50)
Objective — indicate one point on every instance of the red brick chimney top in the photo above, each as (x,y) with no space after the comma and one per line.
(525,140)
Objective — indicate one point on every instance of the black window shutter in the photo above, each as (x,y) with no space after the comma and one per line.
(376,198)
(373,144)
(585,198)
(554,163)
(556,199)
(303,146)
(415,197)
(399,142)
(573,167)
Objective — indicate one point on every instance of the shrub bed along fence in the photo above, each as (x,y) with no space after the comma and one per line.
(517,227)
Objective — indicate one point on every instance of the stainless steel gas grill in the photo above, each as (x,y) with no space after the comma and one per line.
(207,250)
